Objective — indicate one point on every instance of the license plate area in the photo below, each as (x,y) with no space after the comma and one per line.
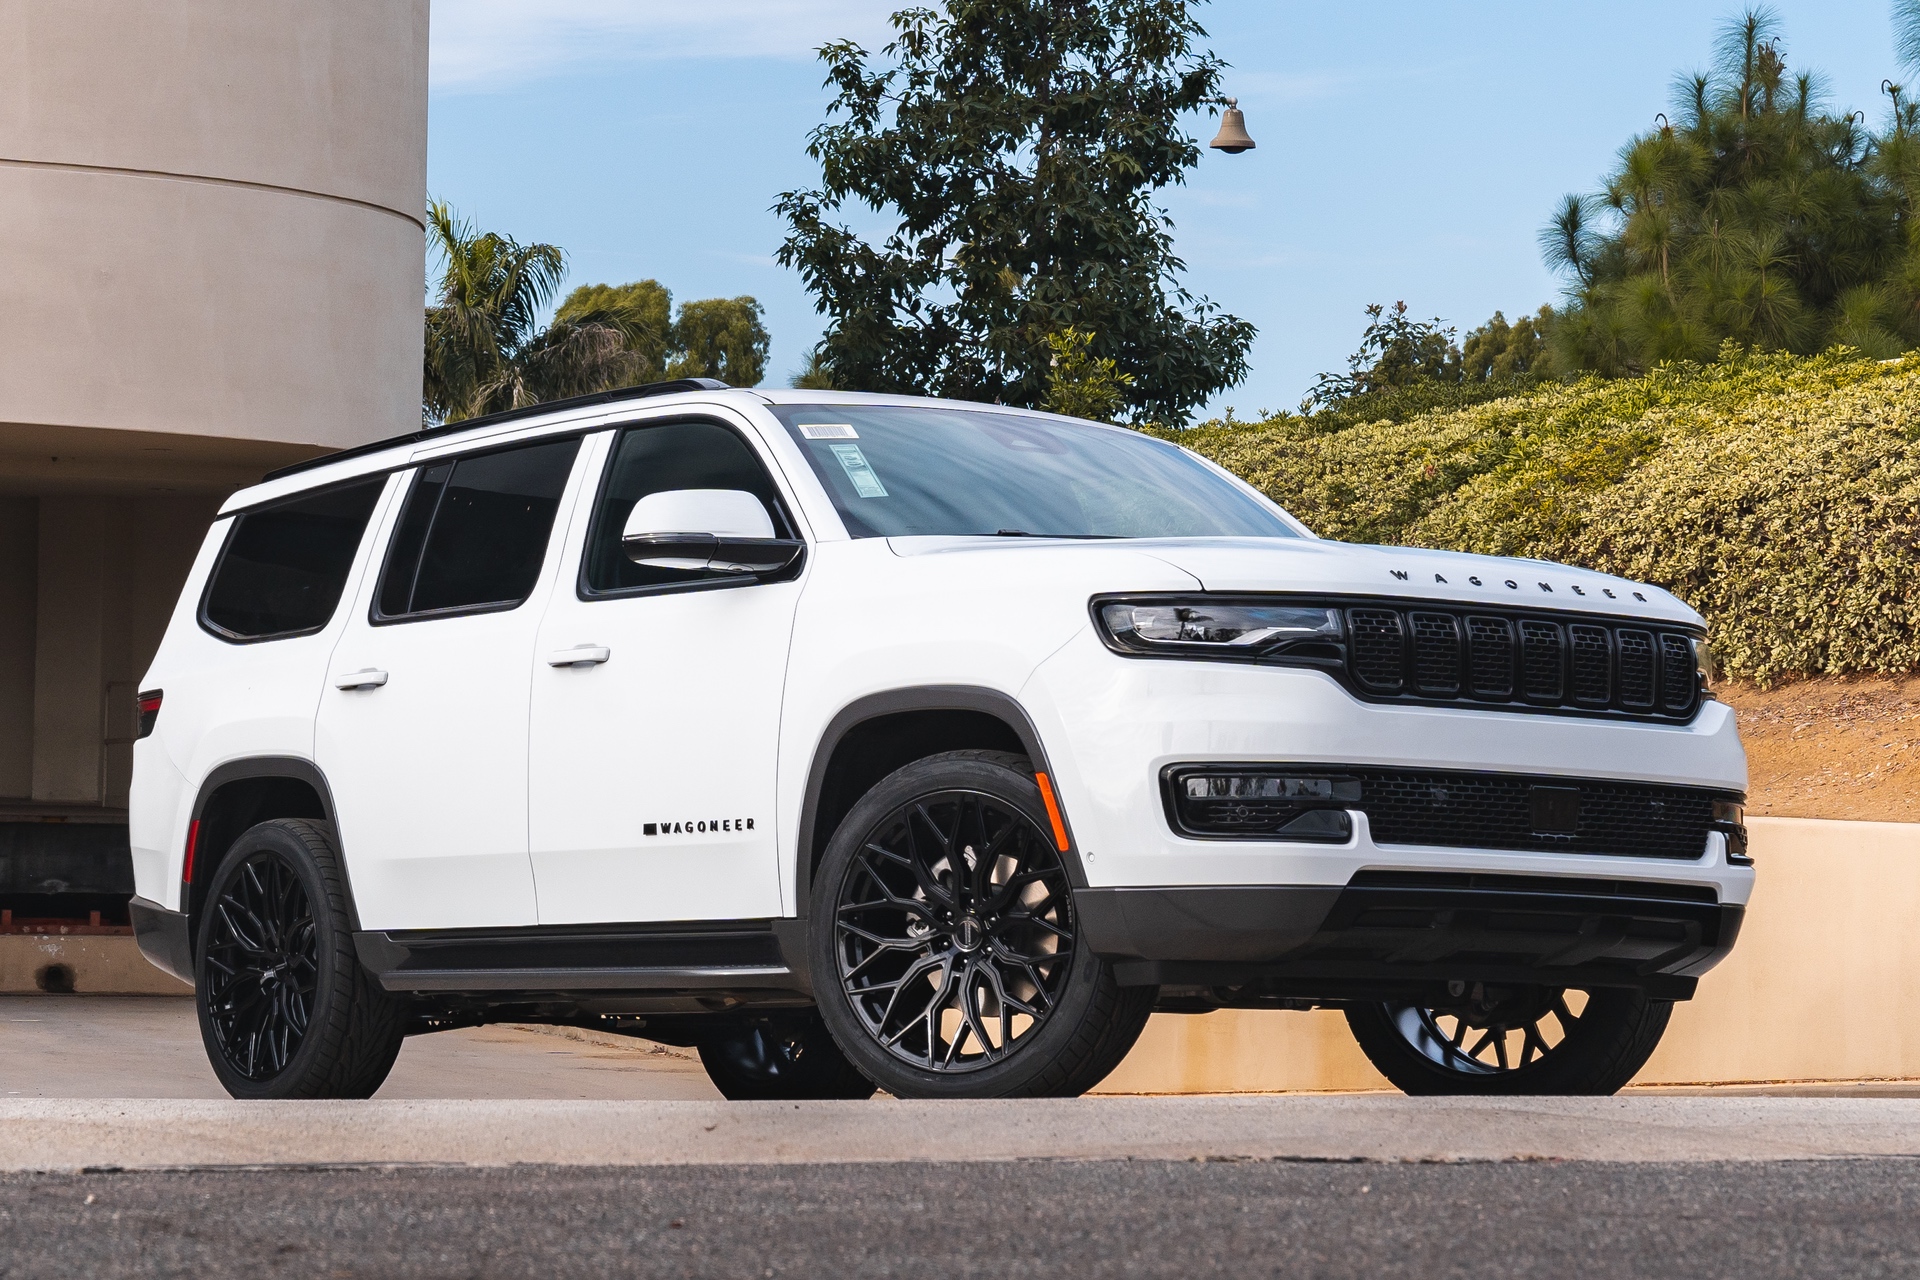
(1556,811)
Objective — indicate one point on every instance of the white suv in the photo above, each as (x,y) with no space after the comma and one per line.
(867,740)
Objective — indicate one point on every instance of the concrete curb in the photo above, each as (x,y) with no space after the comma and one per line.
(54,1134)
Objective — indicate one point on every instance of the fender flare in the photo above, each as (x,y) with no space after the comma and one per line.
(274,767)
(936,697)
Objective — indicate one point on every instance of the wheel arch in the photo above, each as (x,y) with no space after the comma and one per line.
(241,794)
(872,736)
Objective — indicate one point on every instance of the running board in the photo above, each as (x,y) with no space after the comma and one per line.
(707,955)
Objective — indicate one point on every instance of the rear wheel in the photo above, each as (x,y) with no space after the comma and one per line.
(946,953)
(286,1010)
(1487,1039)
(786,1056)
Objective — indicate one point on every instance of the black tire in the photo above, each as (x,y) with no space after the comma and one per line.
(1468,1046)
(1034,1013)
(780,1057)
(286,1010)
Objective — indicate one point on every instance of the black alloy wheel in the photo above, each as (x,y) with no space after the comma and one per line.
(286,1010)
(953,942)
(780,1056)
(1484,1038)
(261,965)
(961,932)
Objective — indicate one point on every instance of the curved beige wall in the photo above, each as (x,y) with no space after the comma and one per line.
(212,210)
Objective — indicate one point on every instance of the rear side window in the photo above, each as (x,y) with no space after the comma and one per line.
(654,459)
(475,531)
(284,567)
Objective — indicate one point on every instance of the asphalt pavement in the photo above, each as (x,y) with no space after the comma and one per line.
(1012,1219)
(507,1151)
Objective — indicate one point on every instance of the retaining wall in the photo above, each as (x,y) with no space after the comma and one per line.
(1824,984)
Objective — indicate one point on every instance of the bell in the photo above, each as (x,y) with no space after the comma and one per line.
(1232,137)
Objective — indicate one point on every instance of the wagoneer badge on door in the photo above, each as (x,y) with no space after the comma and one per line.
(696,828)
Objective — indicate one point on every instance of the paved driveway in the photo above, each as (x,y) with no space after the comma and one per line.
(149,1047)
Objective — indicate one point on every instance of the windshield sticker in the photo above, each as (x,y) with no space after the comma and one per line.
(854,463)
(829,431)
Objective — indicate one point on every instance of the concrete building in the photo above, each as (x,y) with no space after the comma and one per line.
(212,215)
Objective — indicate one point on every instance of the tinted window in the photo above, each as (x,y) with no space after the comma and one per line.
(674,455)
(897,471)
(475,531)
(284,567)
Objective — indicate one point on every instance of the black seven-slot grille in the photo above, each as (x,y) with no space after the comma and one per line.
(1460,810)
(1513,661)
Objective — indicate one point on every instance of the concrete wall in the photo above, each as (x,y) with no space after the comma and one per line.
(86,586)
(213,209)
(1822,985)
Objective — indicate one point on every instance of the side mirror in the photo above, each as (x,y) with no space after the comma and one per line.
(715,530)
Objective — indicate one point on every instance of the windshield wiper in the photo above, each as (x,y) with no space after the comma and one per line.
(1078,537)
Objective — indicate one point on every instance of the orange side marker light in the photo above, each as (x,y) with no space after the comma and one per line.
(1053,811)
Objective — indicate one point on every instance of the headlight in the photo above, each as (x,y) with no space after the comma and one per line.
(1199,625)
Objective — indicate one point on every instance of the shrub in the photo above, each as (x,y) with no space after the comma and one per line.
(1777,494)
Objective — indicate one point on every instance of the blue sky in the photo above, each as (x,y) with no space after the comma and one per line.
(1406,151)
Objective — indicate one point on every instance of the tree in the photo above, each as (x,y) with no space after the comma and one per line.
(720,338)
(1406,366)
(1015,146)
(816,374)
(1753,215)
(485,351)
(1395,351)
(712,338)
(1081,384)
(648,308)
(1499,351)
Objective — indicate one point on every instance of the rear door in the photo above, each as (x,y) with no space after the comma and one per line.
(422,731)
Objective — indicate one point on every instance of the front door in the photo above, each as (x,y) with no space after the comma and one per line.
(422,732)
(651,788)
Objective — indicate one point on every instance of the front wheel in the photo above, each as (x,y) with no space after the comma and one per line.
(1484,1039)
(946,953)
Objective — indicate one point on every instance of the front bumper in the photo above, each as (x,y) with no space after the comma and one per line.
(1388,934)
(1114,725)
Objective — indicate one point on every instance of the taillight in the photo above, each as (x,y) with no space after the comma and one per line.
(149,704)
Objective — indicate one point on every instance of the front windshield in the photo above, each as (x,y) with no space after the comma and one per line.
(897,472)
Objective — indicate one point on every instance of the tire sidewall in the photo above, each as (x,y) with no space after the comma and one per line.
(1029,1062)
(1599,1055)
(330,934)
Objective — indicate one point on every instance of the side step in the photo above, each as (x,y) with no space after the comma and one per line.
(706,955)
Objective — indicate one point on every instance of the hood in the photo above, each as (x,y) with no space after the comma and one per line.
(1282,564)
(1312,565)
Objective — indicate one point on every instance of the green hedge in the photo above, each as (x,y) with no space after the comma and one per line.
(1779,495)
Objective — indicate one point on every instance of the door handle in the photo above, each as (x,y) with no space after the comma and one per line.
(365,678)
(581,655)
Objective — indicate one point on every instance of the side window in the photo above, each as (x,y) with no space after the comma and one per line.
(284,567)
(474,531)
(652,459)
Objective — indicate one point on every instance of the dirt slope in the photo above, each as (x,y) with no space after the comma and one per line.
(1839,747)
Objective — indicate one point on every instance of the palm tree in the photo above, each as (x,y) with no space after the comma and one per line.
(485,349)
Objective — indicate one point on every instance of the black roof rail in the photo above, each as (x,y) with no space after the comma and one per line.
(673,387)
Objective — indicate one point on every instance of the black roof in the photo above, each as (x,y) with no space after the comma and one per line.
(533,410)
